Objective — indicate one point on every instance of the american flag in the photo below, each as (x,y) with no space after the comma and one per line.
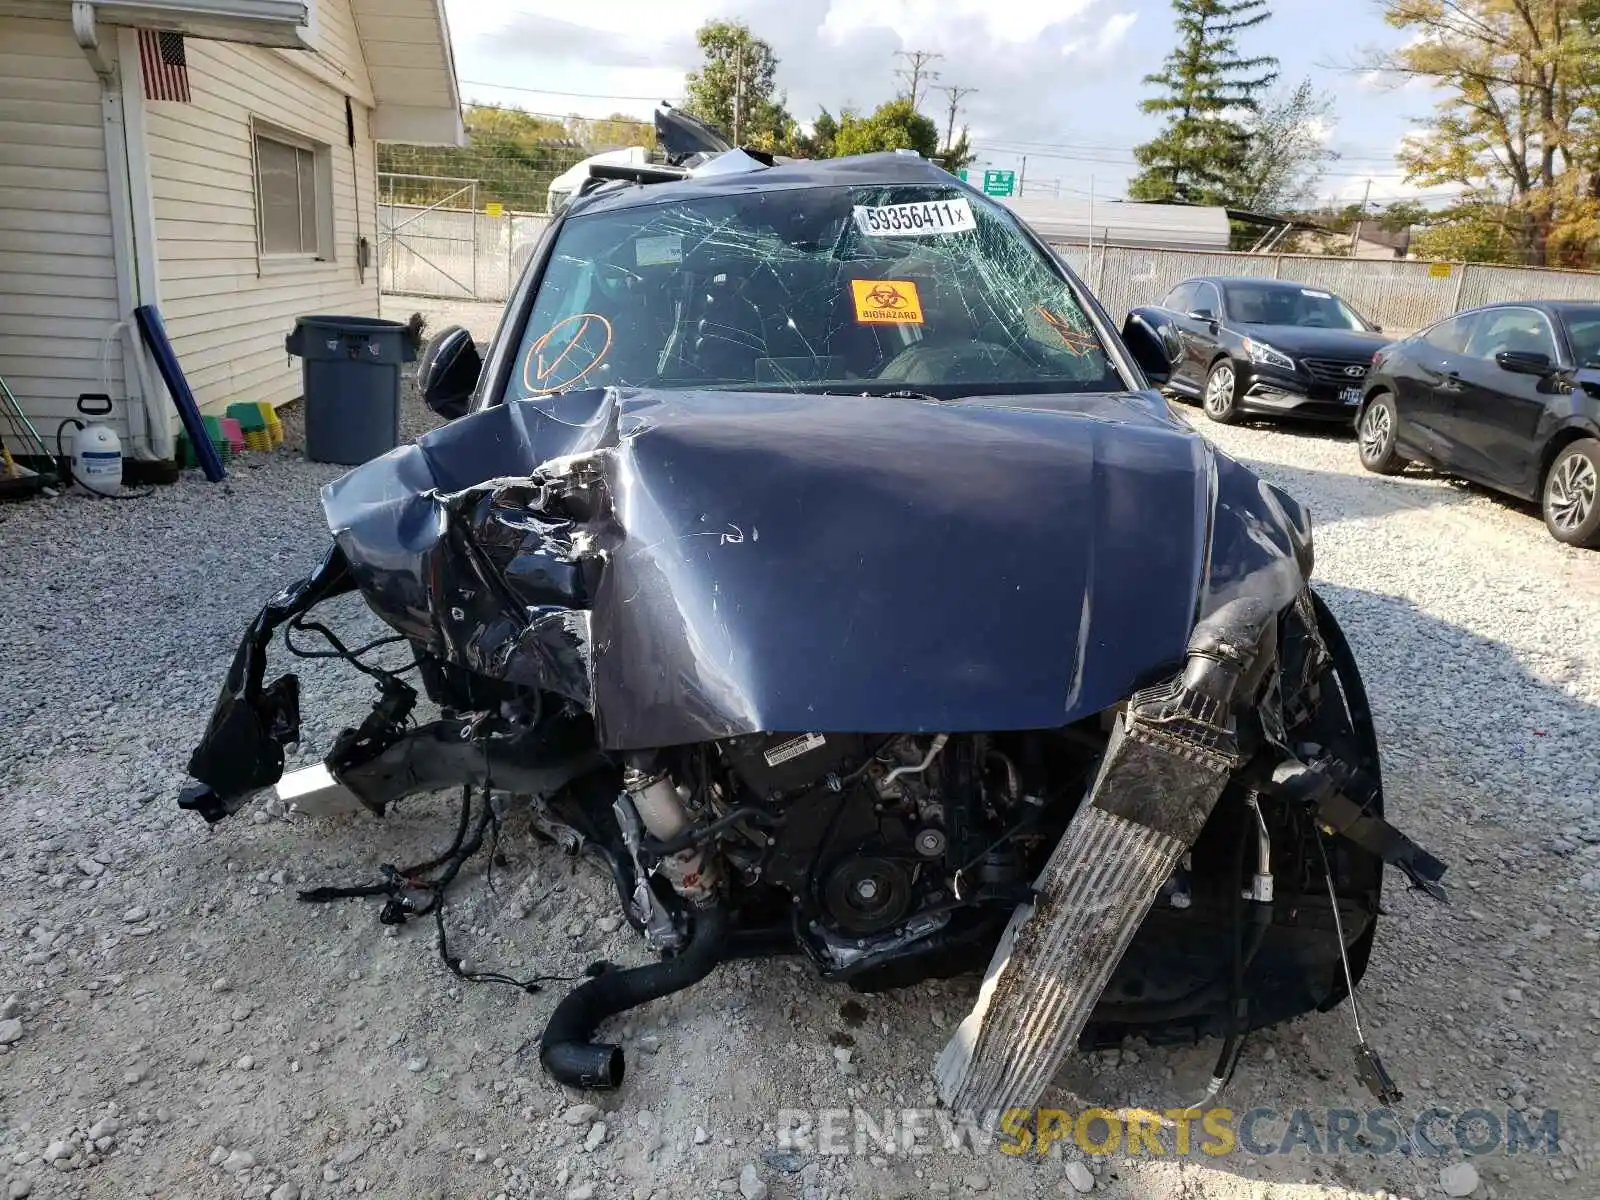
(166,67)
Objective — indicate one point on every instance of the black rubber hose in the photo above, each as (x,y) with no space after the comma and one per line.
(567,1051)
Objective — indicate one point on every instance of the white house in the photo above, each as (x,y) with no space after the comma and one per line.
(214,158)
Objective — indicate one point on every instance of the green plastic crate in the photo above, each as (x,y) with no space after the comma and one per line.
(249,417)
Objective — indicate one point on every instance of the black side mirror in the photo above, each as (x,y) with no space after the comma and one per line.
(1377,329)
(1202,314)
(447,372)
(1147,350)
(1525,362)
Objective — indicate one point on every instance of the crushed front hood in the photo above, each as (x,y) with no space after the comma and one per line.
(694,565)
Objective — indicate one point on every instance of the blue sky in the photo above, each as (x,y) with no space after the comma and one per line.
(1058,80)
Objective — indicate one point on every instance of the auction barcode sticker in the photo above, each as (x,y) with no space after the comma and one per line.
(794,748)
(916,220)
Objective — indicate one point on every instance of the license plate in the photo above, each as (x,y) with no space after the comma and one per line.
(915,220)
(1351,395)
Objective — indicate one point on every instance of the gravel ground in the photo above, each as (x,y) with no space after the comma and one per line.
(175,1024)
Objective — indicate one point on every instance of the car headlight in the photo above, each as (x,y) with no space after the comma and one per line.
(1260,352)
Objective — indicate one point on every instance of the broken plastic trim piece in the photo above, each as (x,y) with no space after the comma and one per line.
(242,748)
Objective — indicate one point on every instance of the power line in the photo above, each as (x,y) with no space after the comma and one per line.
(512,87)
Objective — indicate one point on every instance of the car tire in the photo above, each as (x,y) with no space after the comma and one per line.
(1570,497)
(1221,396)
(1375,436)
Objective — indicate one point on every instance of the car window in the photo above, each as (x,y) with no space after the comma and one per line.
(1451,335)
(1583,332)
(1280,304)
(843,289)
(1520,329)
(1180,299)
(1209,298)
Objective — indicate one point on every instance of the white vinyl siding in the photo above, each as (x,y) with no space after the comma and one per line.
(228,304)
(58,292)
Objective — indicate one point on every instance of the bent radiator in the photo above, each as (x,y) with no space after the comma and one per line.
(1169,758)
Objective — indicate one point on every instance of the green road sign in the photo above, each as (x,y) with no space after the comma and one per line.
(999,183)
(962,174)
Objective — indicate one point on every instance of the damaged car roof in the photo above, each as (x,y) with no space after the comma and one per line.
(889,167)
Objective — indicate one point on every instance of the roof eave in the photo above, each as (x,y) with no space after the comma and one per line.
(397,63)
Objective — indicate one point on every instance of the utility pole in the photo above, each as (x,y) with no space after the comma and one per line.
(1355,234)
(955,94)
(1022,176)
(915,70)
(738,88)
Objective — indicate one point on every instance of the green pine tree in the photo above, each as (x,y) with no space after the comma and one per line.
(1208,88)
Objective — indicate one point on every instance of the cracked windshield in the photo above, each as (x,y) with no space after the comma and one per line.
(828,289)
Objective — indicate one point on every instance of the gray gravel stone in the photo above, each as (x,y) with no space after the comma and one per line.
(238,1160)
(1079,1176)
(751,1185)
(1459,1179)
(10,1031)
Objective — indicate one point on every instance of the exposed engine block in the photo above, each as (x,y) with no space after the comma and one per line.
(872,832)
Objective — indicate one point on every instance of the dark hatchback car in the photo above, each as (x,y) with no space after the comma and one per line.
(1507,396)
(1267,347)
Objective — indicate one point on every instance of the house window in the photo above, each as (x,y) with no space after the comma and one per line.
(294,202)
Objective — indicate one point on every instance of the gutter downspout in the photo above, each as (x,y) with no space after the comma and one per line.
(154,442)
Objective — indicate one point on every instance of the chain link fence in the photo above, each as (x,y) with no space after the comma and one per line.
(459,248)
(454,253)
(1402,295)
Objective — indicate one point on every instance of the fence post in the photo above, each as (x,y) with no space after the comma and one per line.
(1461,279)
(1277,266)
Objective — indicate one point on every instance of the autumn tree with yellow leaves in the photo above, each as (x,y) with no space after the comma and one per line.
(1518,129)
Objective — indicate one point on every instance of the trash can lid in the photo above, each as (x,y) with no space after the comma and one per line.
(350,324)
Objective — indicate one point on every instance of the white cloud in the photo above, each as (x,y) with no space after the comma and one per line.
(1114,30)
(833,53)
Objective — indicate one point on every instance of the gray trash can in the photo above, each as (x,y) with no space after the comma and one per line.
(351,376)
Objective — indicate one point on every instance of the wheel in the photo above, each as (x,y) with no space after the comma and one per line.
(1220,400)
(1572,494)
(1376,434)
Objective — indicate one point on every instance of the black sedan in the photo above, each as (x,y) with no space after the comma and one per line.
(1507,396)
(1262,346)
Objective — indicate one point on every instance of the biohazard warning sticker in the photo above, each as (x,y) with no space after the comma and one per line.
(886,302)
